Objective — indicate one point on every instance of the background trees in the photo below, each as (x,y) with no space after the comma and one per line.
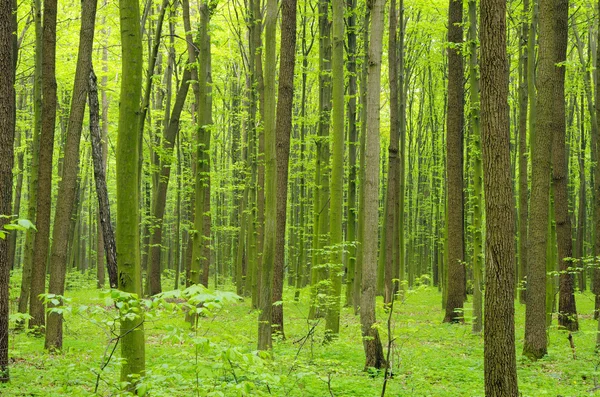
(338,179)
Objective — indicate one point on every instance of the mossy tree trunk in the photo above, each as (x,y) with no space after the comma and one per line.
(128,225)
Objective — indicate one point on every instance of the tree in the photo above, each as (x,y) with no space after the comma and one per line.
(44,193)
(283,129)
(128,226)
(201,245)
(536,340)
(34,165)
(390,249)
(68,184)
(500,368)
(371,340)
(567,311)
(336,202)
(454,167)
(7,137)
(266,280)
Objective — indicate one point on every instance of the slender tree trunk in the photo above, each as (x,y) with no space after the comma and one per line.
(353,141)
(454,167)
(98,157)
(371,340)
(16,209)
(128,183)
(390,220)
(68,184)
(336,203)
(358,271)
(44,197)
(7,138)
(478,202)
(523,152)
(322,167)
(500,367)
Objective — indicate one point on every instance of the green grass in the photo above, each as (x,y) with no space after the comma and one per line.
(429,358)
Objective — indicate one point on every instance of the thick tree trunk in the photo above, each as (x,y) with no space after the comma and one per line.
(371,340)
(567,311)
(500,367)
(7,138)
(283,130)
(536,340)
(128,183)
(265,302)
(454,167)
(44,197)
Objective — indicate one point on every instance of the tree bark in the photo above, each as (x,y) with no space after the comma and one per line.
(336,202)
(283,130)
(371,340)
(454,167)
(68,184)
(500,367)
(128,183)
(7,138)
(567,310)
(536,340)
(44,197)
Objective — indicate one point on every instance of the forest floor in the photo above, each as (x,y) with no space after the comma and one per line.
(219,359)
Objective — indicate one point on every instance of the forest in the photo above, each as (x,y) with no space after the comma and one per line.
(299,198)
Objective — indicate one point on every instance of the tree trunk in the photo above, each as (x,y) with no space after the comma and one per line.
(478,202)
(7,138)
(536,340)
(371,340)
(128,182)
(68,184)
(523,153)
(44,197)
(353,141)
(336,202)
(500,367)
(567,311)
(283,131)
(390,220)
(266,280)
(454,167)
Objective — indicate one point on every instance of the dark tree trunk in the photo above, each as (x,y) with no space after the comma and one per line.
(7,138)
(108,235)
(283,129)
(454,173)
(44,197)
